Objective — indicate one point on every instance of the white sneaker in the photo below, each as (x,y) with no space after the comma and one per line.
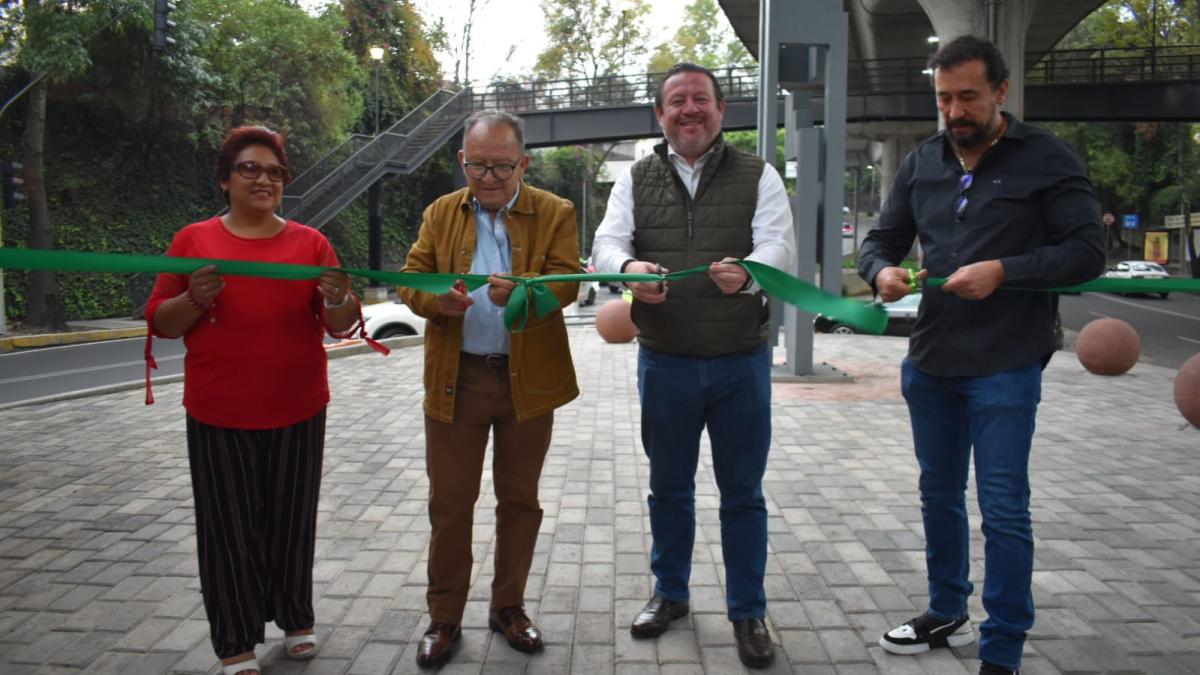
(925,632)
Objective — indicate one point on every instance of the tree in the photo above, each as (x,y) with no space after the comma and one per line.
(50,43)
(705,38)
(1142,168)
(283,68)
(590,39)
(593,43)
(459,46)
(412,72)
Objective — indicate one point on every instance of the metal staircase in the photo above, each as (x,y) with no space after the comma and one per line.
(344,173)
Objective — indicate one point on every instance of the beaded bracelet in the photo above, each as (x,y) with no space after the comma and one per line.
(195,303)
(345,299)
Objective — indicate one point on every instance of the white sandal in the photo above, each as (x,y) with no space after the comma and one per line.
(241,667)
(290,642)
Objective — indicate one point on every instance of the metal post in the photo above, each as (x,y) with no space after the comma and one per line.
(376,98)
(854,244)
(374,231)
(3,325)
(803,46)
(1153,37)
(584,218)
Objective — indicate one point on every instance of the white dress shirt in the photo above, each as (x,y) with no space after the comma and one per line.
(771,227)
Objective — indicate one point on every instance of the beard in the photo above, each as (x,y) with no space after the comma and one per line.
(974,136)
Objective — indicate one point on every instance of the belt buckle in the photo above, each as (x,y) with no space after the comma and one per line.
(494,360)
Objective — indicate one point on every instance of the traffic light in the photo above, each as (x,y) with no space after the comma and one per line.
(163,25)
(13,183)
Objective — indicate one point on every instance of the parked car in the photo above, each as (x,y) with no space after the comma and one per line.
(847,230)
(902,314)
(1138,269)
(587,289)
(391,319)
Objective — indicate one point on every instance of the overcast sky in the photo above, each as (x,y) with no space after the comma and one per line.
(518,24)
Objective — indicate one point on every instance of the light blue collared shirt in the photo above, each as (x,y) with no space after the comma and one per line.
(483,324)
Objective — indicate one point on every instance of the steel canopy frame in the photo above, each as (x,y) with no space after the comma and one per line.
(804,49)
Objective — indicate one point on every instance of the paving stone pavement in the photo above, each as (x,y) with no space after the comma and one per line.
(97,550)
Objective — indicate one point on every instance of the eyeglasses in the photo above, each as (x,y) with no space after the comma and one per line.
(252,170)
(478,170)
(960,204)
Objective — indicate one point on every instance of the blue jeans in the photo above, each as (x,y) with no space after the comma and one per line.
(731,396)
(995,415)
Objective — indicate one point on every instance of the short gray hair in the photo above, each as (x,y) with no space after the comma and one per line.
(490,117)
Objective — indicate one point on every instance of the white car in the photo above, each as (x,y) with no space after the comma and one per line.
(1138,269)
(391,319)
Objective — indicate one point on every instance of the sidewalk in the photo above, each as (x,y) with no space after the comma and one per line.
(97,550)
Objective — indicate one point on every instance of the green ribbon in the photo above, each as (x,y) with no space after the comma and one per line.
(1104,285)
(529,298)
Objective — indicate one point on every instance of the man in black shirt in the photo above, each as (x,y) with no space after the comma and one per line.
(1001,209)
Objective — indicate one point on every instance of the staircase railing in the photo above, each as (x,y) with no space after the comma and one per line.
(348,170)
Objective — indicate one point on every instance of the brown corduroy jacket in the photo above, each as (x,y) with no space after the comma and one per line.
(544,240)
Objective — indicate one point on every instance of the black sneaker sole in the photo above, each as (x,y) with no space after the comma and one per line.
(922,647)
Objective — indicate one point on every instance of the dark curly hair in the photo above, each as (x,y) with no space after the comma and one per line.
(971,48)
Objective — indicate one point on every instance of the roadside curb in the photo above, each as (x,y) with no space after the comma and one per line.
(353,348)
(8,344)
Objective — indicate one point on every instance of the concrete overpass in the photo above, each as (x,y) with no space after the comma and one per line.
(1082,85)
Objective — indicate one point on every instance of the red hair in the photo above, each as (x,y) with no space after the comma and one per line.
(239,138)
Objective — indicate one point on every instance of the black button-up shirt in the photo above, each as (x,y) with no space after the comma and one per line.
(1030,206)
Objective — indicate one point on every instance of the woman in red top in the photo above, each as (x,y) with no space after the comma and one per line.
(255,391)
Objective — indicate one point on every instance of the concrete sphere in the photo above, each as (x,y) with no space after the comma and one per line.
(1187,390)
(1108,347)
(614,322)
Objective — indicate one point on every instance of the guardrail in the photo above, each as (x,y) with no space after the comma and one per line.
(1067,66)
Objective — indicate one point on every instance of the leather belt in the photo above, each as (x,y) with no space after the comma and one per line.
(489,360)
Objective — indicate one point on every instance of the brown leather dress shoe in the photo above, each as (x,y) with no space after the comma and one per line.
(656,616)
(753,643)
(518,630)
(437,644)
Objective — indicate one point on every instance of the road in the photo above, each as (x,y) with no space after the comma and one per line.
(35,373)
(1169,329)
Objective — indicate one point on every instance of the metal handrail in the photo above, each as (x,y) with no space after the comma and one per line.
(322,166)
(908,74)
(403,142)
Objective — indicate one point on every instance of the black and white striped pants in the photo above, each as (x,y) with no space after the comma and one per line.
(256,495)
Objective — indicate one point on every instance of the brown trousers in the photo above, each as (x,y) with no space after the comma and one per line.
(454,462)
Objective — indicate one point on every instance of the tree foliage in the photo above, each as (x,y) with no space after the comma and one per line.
(705,38)
(131,134)
(589,39)
(1145,168)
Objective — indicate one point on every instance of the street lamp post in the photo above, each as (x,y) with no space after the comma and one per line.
(376,291)
(377,57)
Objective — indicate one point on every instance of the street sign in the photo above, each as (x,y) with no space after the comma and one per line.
(1131,221)
(1109,219)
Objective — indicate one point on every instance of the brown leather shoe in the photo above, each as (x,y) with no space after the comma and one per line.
(753,643)
(437,644)
(656,616)
(518,630)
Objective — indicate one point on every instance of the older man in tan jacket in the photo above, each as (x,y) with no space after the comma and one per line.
(479,377)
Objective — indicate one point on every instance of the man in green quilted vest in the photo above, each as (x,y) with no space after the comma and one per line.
(703,357)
